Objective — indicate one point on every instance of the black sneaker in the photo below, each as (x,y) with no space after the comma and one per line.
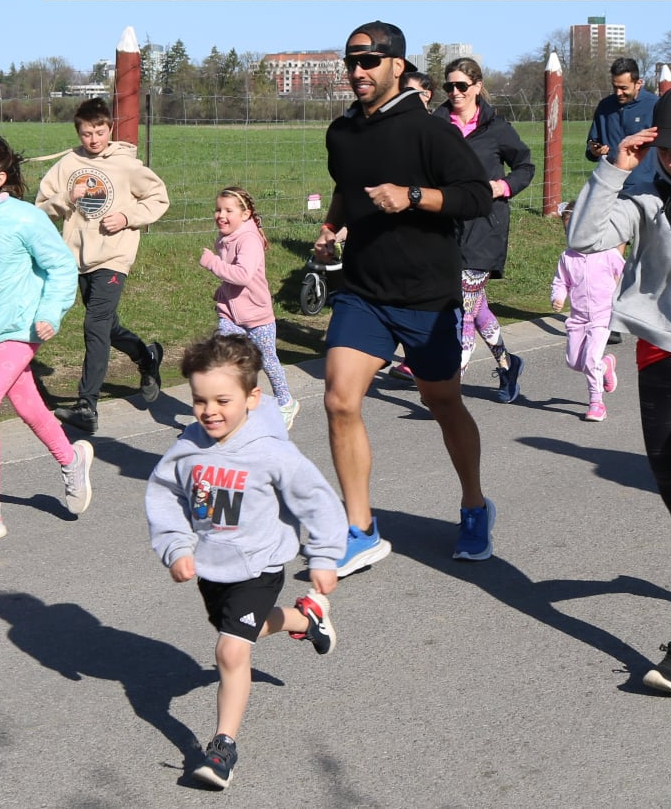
(509,388)
(660,677)
(220,758)
(150,380)
(81,416)
(614,339)
(320,632)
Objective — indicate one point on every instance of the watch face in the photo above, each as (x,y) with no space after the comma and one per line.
(414,194)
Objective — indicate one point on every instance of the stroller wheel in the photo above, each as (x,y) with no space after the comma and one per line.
(313,294)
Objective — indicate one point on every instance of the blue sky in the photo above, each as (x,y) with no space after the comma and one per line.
(83,31)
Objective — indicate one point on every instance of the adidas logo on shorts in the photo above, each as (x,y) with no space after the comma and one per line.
(248,619)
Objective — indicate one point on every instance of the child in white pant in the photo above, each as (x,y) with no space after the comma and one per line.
(589,281)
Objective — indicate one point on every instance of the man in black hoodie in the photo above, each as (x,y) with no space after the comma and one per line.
(401,178)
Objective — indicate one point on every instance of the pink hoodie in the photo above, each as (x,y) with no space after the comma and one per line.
(240,262)
(590,281)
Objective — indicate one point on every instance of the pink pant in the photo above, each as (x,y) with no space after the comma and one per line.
(16,382)
(585,345)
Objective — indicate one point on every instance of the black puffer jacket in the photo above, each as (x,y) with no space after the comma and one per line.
(484,241)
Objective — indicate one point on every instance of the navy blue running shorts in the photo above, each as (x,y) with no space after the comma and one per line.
(241,608)
(431,340)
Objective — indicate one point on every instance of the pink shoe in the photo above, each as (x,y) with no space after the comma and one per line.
(609,375)
(596,412)
(402,371)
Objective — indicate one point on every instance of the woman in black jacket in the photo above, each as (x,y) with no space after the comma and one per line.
(484,241)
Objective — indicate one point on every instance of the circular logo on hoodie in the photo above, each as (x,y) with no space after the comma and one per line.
(99,193)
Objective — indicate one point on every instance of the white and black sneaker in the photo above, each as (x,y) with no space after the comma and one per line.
(320,632)
(659,678)
(220,758)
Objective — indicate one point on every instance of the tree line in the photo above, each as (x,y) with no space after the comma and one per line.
(237,87)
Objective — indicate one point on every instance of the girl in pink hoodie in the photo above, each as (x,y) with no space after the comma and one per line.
(243,301)
(589,281)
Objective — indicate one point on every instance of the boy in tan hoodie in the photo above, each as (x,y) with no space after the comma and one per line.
(104,195)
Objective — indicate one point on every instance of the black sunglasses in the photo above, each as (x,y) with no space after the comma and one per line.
(366,61)
(451,86)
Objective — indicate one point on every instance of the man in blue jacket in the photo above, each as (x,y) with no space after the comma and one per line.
(625,112)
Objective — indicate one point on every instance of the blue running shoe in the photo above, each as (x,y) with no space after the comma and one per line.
(475,533)
(220,758)
(509,388)
(362,550)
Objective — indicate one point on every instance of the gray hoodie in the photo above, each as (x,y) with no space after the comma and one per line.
(238,506)
(601,219)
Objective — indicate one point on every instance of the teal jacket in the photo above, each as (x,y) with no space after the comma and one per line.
(38,274)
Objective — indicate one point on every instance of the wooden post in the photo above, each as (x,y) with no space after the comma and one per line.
(664,80)
(126,110)
(554,109)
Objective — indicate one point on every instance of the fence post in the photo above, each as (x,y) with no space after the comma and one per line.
(664,80)
(126,110)
(552,168)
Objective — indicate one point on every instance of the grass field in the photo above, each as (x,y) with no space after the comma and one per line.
(169,298)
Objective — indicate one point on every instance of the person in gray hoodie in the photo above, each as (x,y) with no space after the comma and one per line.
(226,503)
(606,216)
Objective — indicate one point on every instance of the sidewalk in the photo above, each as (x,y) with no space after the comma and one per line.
(512,683)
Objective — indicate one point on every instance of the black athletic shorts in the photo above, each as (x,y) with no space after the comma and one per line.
(241,608)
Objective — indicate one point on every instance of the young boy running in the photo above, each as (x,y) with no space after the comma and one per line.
(225,504)
(104,195)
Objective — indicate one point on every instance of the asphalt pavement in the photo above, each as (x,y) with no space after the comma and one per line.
(509,683)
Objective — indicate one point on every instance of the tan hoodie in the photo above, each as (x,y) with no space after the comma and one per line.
(117,182)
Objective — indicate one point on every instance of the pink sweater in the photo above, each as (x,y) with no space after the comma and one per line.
(240,262)
(590,281)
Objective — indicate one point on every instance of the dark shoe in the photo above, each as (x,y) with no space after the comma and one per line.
(320,632)
(150,381)
(475,533)
(80,416)
(660,677)
(615,338)
(509,389)
(220,758)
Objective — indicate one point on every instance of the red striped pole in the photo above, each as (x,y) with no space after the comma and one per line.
(554,108)
(126,110)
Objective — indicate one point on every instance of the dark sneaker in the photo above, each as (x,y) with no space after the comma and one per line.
(509,388)
(615,338)
(320,632)
(76,478)
(660,677)
(362,550)
(475,533)
(150,377)
(80,416)
(217,768)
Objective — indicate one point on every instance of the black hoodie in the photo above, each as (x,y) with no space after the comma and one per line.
(410,259)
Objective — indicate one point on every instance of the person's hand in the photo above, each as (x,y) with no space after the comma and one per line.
(78,191)
(557,306)
(498,188)
(206,257)
(324,581)
(389,198)
(44,330)
(183,569)
(632,150)
(325,245)
(114,222)
(598,149)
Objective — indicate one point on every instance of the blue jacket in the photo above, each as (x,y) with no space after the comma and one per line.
(614,121)
(38,274)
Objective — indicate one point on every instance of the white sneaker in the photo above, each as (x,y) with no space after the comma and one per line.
(289,412)
(76,478)
(3,528)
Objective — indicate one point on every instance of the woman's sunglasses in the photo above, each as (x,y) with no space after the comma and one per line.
(451,86)
(366,61)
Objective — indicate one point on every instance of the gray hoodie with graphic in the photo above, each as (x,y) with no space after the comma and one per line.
(604,216)
(237,507)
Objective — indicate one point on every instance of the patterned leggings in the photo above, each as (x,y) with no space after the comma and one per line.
(479,317)
(264,337)
(18,384)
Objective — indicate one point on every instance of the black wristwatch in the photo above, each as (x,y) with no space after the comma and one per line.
(414,195)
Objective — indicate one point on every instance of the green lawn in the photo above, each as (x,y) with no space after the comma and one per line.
(169,298)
